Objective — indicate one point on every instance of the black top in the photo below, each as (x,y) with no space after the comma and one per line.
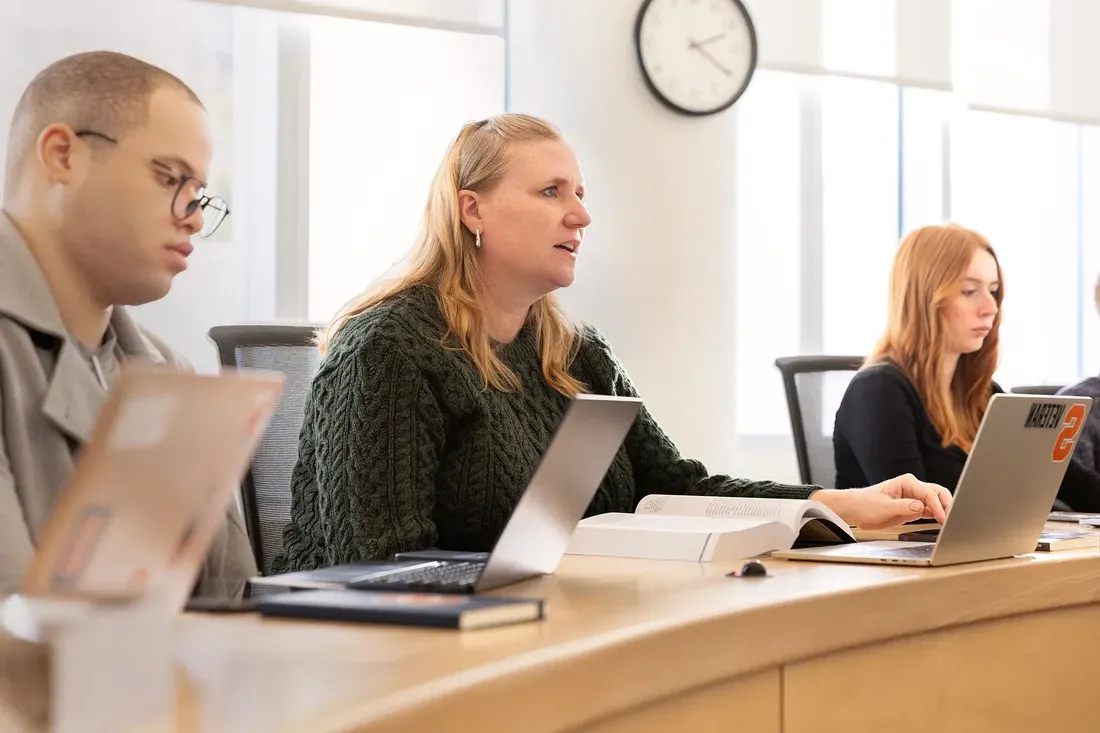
(882,430)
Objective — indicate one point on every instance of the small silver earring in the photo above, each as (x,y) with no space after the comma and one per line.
(477,239)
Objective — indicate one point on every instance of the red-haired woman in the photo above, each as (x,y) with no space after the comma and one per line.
(915,407)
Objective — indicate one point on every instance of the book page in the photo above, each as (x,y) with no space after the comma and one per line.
(822,531)
(678,523)
(787,511)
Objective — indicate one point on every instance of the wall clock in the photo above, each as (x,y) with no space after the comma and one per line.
(697,56)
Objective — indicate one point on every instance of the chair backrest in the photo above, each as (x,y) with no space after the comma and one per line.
(804,384)
(1040,389)
(265,493)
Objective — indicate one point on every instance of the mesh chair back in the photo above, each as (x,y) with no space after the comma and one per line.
(814,386)
(265,495)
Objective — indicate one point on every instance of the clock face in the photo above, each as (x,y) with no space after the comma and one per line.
(697,55)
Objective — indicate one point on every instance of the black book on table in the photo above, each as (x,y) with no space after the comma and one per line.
(442,610)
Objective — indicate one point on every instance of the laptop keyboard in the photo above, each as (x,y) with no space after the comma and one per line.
(444,577)
(919,550)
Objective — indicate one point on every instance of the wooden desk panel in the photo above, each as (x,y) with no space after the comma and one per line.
(1021,674)
(754,701)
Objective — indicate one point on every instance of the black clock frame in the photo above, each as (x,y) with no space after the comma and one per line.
(668,102)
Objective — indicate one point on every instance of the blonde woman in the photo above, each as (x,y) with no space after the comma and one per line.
(440,390)
(916,407)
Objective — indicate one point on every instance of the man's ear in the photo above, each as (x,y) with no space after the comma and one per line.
(59,153)
(469,211)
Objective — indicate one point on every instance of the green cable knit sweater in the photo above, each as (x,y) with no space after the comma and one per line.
(402,449)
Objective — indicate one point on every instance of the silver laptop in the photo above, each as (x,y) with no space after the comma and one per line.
(1007,486)
(559,492)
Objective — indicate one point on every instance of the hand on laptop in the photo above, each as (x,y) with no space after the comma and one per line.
(888,504)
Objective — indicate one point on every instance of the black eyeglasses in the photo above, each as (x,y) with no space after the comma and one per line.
(184,205)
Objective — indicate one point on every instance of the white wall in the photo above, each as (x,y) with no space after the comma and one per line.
(196,42)
(656,270)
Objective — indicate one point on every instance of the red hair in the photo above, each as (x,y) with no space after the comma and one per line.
(929,267)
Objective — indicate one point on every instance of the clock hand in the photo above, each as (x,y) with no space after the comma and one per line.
(705,41)
(709,57)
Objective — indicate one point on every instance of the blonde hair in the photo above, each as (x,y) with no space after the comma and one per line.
(445,258)
(929,266)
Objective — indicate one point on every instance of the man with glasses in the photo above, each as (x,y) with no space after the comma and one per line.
(104,189)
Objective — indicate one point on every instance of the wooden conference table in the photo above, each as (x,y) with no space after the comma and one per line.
(633,645)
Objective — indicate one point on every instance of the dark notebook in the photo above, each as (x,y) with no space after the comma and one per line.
(410,609)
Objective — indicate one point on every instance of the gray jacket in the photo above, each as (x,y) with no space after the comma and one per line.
(50,398)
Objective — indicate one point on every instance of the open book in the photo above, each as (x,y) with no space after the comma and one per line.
(707,529)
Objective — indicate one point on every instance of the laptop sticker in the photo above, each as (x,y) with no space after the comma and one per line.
(1067,437)
(1044,415)
(88,529)
(142,422)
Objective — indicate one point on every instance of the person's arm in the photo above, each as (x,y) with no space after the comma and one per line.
(16,546)
(879,422)
(659,468)
(364,485)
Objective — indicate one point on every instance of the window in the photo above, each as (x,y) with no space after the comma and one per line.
(925,116)
(804,287)
(768,240)
(859,155)
(891,160)
(1090,253)
(385,101)
(1015,180)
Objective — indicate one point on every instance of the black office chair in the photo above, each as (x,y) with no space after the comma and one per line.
(803,384)
(1039,389)
(265,493)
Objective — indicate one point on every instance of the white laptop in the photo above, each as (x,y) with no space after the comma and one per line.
(151,487)
(1004,495)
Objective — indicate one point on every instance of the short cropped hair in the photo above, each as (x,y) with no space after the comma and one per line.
(100,90)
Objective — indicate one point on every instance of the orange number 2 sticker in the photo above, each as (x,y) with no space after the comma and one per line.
(1066,439)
